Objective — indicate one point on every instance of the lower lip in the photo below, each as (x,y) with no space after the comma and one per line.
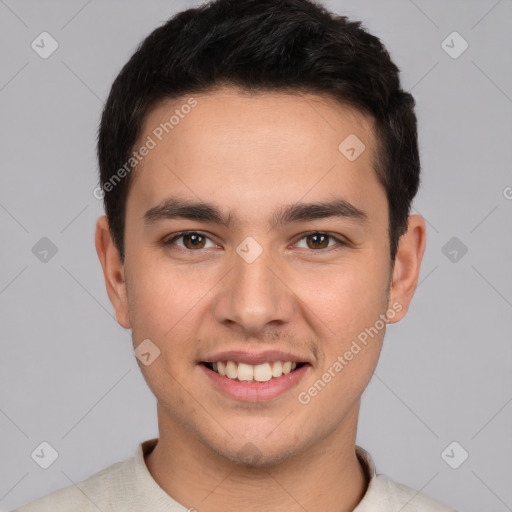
(255,391)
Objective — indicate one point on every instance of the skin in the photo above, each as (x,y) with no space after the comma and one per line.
(250,155)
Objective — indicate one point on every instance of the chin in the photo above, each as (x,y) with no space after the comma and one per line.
(256,453)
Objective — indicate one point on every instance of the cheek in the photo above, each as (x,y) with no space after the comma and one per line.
(347,297)
(162,295)
(166,303)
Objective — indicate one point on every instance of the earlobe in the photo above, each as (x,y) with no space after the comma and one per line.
(407,265)
(113,271)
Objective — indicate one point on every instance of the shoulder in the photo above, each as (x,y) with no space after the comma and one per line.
(399,497)
(386,494)
(95,492)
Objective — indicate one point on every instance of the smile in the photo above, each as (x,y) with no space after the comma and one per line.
(253,383)
(253,373)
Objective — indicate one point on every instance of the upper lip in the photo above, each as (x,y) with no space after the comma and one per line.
(254,358)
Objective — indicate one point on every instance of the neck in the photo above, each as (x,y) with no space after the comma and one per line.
(325,476)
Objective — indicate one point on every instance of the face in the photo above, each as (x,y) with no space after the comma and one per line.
(229,259)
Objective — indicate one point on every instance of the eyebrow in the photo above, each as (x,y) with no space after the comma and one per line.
(177,208)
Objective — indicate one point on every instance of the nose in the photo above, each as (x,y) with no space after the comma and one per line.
(254,295)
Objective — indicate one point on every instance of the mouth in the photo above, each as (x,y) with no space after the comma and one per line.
(253,374)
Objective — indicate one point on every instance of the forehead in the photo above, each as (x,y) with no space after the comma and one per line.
(237,148)
(277,120)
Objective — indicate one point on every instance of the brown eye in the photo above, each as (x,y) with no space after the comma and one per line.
(318,240)
(191,240)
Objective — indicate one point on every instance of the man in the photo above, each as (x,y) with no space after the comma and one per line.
(258,160)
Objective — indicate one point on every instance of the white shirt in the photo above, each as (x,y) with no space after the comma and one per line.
(128,486)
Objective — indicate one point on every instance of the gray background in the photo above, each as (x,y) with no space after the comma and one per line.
(68,374)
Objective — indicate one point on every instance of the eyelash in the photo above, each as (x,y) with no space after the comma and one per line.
(171,241)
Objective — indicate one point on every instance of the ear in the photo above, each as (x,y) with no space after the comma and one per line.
(407,265)
(113,271)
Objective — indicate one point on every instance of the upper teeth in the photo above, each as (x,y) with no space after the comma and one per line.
(260,372)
